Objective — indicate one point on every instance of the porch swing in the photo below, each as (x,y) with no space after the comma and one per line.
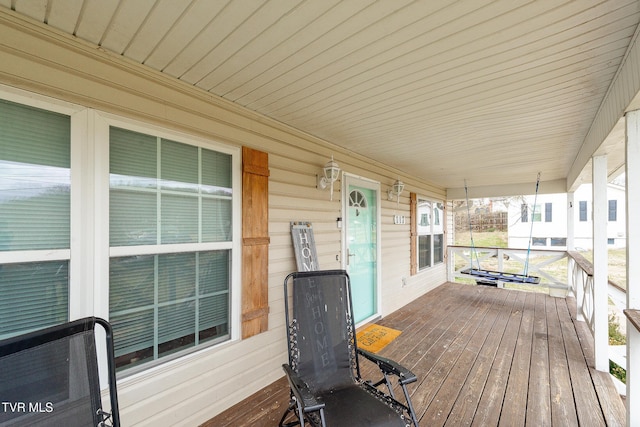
(491,277)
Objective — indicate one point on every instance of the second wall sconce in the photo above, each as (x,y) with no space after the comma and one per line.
(330,173)
(395,190)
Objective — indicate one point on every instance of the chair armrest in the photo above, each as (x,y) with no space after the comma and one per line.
(310,403)
(389,366)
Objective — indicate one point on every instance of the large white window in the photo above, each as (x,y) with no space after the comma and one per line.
(171,208)
(430,217)
(35,191)
(159,262)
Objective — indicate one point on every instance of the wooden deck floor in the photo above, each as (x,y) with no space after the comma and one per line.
(483,357)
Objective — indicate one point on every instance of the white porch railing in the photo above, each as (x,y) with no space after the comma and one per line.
(581,285)
(549,265)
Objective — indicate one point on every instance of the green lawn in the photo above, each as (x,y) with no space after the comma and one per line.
(496,239)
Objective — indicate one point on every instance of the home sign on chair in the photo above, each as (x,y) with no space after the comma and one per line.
(324,361)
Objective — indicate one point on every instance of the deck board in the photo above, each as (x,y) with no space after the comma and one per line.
(484,357)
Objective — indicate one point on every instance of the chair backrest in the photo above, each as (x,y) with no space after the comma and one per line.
(50,377)
(322,347)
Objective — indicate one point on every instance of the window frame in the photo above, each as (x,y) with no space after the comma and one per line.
(548,212)
(79,303)
(583,213)
(612,206)
(524,212)
(89,252)
(432,224)
(103,121)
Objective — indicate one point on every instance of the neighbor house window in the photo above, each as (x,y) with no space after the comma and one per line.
(524,213)
(170,234)
(583,210)
(430,233)
(35,194)
(548,212)
(536,213)
(613,210)
(538,241)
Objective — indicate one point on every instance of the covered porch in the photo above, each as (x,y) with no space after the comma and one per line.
(484,356)
(431,95)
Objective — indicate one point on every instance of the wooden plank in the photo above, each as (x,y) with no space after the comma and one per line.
(587,404)
(538,404)
(563,410)
(440,359)
(445,398)
(437,333)
(467,402)
(255,242)
(515,400)
(613,408)
(263,408)
(413,234)
(493,395)
(428,324)
(634,317)
(609,400)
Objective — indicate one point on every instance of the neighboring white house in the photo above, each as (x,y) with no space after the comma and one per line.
(546,223)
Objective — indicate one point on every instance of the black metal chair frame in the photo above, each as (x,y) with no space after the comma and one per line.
(309,406)
(39,344)
(495,276)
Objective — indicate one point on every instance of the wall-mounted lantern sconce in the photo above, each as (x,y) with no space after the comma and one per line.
(395,190)
(330,173)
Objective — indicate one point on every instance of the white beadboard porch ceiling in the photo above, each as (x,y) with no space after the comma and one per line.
(488,91)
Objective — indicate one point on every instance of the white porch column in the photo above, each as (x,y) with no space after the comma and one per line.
(571,232)
(600,263)
(632,170)
(571,222)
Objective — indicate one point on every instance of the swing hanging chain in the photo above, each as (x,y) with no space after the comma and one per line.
(473,246)
(535,201)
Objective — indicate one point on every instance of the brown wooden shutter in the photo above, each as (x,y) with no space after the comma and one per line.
(413,215)
(255,242)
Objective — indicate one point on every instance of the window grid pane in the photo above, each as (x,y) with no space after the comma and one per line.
(162,304)
(35,189)
(430,233)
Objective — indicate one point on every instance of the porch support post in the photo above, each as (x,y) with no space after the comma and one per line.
(571,232)
(632,170)
(600,273)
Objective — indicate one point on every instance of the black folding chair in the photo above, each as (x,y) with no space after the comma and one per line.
(50,377)
(324,366)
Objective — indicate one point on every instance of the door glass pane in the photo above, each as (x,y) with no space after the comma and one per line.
(362,245)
